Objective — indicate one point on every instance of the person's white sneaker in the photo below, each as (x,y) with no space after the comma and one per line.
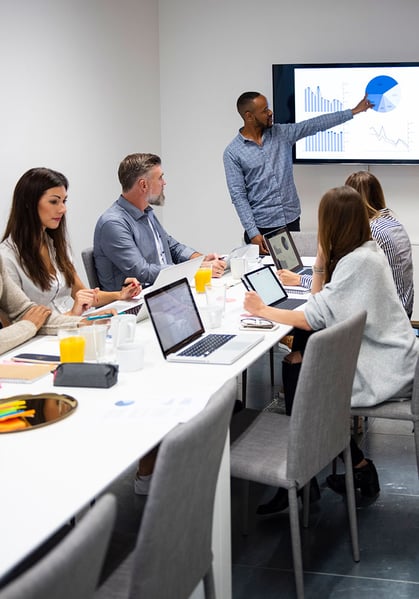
(142,484)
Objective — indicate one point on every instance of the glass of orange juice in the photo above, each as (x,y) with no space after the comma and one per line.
(202,277)
(72,345)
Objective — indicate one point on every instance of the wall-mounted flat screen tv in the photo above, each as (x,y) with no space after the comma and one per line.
(388,133)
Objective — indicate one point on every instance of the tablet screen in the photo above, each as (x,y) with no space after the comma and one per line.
(265,282)
(282,250)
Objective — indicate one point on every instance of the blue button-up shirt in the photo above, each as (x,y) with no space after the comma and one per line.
(125,246)
(260,177)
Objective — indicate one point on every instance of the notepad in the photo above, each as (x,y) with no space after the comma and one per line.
(23,373)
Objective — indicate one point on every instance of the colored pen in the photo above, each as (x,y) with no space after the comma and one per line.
(99,316)
(27,414)
(18,413)
(11,408)
(10,413)
(11,405)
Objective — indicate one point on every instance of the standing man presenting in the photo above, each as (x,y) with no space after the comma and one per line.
(258,166)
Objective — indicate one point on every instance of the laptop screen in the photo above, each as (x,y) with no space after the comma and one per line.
(265,282)
(283,250)
(174,315)
(174,272)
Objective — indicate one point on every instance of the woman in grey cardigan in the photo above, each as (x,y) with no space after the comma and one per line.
(23,319)
(351,274)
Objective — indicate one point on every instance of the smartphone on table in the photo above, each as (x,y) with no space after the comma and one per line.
(37,358)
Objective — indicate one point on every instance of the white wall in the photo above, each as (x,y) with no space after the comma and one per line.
(85,82)
(213,51)
(79,90)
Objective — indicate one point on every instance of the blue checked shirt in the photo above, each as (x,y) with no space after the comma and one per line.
(125,246)
(260,178)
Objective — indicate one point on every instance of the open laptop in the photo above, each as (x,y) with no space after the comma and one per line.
(174,272)
(265,282)
(132,306)
(282,249)
(243,251)
(171,273)
(180,331)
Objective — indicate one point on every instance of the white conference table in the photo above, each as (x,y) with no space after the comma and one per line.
(48,475)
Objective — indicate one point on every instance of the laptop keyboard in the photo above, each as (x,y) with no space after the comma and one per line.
(206,346)
(290,303)
(134,310)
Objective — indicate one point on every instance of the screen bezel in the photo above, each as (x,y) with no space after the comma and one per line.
(284,104)
(162,291)
(277,261)
(250,280)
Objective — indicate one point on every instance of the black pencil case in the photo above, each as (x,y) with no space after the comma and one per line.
(84,374)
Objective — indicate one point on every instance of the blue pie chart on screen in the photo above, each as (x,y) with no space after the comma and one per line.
(384,93)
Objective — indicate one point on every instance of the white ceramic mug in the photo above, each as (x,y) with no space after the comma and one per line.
(130,357)
(252,252)
(252,257)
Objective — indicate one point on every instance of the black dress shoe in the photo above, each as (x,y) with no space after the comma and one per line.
(365,479)
(279,501)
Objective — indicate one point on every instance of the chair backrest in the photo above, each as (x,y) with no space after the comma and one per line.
(320,419)
(71,569)
(90,267)
(415,392)
(305,242)
(173,551)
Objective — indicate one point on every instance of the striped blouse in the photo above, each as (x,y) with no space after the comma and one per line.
(392,238)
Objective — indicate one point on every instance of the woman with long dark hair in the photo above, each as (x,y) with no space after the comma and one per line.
(35,247)
(386,230)
(350,274)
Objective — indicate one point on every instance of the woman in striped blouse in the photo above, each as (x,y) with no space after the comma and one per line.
(389,233)
(386,230)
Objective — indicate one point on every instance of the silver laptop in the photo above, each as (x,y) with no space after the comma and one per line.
(171,273)
(283,252)
(174,272)
(134,306)
(238,252)
(181,334)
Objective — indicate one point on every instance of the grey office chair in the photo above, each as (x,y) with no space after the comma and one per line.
(71,569)
(173,551)
(305,242)
(90,268)
(287,452)
(398,410)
